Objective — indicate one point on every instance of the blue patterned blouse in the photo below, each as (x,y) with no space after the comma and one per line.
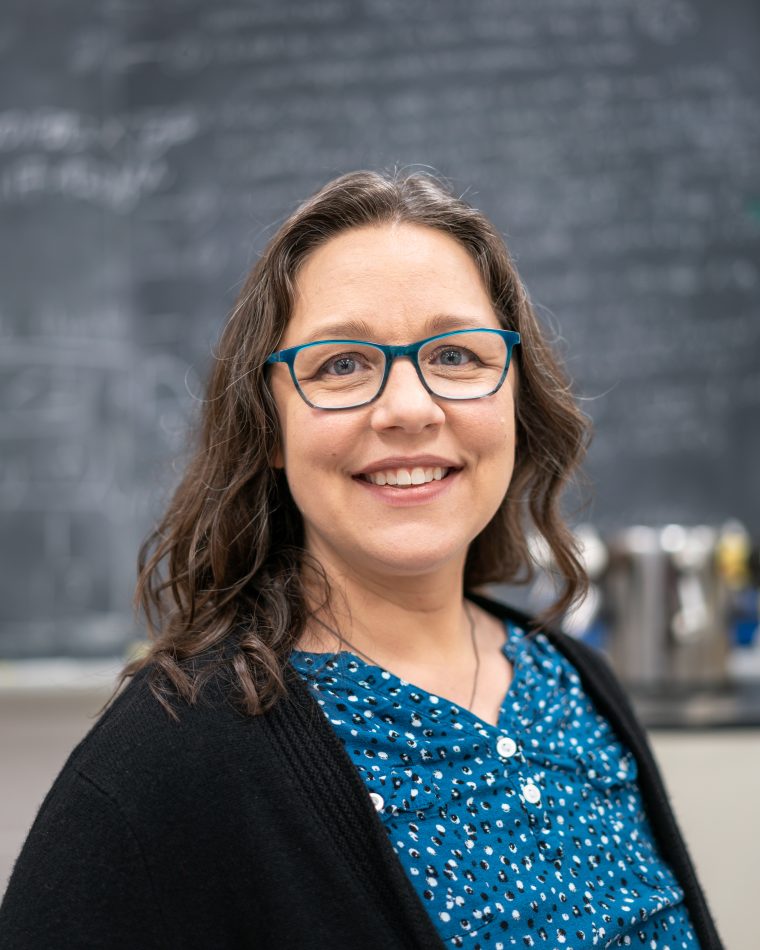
(527,834)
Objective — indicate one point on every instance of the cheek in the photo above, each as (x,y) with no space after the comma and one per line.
(495,446)
(494,429)
(314,442)
(305,437)
(502,448)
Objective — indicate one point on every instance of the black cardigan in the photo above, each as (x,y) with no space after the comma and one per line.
(231,831)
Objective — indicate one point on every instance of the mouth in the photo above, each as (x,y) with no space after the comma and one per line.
(405,479)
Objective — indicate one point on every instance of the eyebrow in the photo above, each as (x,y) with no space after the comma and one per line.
(360,330)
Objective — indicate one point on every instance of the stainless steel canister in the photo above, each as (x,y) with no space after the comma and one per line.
(667,606)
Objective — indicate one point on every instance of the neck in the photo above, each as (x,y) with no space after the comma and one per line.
(407,621)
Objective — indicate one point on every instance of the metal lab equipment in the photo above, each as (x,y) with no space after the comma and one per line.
(667,604)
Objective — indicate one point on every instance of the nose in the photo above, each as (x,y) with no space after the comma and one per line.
(405,402)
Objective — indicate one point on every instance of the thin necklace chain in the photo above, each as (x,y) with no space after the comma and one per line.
(470,617)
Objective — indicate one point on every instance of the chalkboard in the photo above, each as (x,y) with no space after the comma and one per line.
(148,151)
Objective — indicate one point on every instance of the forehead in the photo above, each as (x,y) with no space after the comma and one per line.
(390,280)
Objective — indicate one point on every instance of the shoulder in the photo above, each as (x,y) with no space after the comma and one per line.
(155,776)
(578,652)
(138,752)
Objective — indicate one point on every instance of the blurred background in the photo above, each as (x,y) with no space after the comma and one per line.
(148,152)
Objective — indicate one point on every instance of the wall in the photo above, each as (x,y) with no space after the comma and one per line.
(147,153)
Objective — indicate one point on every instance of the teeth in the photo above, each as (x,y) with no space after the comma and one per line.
(406,477)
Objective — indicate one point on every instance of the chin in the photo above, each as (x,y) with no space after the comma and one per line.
(412,563)
(400,553)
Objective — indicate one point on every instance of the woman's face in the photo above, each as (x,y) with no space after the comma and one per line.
(395,279)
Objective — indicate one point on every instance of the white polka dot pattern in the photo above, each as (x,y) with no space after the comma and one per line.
(529,833)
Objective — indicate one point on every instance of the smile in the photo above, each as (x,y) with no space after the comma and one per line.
(405,477)
(411,494)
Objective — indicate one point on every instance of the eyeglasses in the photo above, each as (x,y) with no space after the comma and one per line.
(346,374)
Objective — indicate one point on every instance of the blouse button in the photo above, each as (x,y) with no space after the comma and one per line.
(532,793)
(377,800)
(506,747)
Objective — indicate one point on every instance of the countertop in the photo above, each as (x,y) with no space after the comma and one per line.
(735,705)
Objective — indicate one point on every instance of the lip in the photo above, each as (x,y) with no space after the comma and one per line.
(412,495)
(415,461)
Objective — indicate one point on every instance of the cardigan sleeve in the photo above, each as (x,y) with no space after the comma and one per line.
(81,880)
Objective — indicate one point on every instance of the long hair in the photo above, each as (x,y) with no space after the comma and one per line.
(222,577)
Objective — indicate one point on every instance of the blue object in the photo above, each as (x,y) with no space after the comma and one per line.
(745,630)
(528,833)
(390,353)
(596,635)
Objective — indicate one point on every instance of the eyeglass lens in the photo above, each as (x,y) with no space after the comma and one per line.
(456,366)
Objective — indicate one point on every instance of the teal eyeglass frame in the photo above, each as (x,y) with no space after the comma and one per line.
(411,350)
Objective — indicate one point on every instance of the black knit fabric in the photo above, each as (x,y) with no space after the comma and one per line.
(229,831)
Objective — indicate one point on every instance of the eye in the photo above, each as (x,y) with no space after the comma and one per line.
(453,356)
(342,365)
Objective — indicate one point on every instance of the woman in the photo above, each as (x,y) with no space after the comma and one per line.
(334,741)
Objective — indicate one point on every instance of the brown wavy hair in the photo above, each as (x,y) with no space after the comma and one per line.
(233,595)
